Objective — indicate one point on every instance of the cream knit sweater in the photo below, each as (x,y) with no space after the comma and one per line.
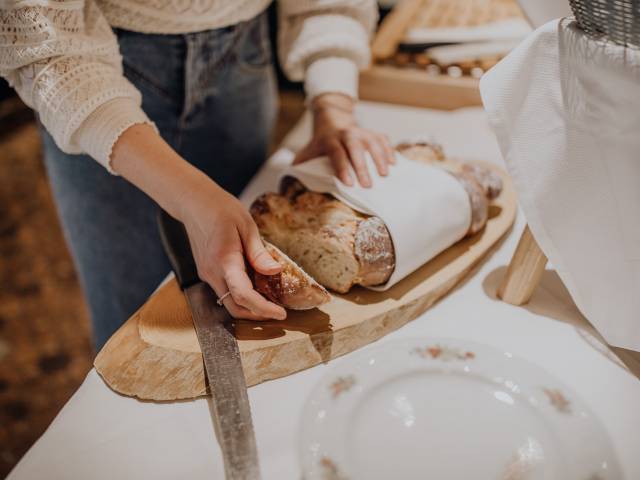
(62,56)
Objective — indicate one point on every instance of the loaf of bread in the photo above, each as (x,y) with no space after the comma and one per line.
(333,243)
(340,247)
(432,154)
(480,183)
(292,288)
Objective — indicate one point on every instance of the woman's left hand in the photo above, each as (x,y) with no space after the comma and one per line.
(336,134)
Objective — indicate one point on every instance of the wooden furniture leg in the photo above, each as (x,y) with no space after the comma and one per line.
(524,271)
(523,276)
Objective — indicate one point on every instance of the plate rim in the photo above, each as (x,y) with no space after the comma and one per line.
(560,396)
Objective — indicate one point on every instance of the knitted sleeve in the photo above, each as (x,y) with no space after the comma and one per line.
(326,42)
(62,58)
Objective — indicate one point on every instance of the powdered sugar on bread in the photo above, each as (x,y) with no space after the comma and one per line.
(292,288)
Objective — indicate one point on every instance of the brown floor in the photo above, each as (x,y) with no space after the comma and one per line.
(45,351)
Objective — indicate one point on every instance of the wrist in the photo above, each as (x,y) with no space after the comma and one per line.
(334,110)
(333,101)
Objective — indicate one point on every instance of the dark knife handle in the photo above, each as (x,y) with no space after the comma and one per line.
(176,245)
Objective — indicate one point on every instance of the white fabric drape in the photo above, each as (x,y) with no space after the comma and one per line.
(566,111)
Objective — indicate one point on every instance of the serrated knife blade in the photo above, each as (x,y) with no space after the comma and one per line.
(220,354)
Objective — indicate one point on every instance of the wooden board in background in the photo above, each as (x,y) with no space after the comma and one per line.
(416,88)
(414,78)
(463,13)
(155,354)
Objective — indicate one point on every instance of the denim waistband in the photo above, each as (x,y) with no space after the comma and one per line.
(186,68)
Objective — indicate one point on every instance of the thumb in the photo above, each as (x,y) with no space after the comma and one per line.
(310,151)
(257,254)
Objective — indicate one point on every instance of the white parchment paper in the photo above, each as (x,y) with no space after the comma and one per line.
(425,209)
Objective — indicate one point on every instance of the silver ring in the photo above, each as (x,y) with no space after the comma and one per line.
(219,301)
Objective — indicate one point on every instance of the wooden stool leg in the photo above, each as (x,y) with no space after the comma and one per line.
(524,271)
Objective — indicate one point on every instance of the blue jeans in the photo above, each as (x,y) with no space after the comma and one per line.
(212,95)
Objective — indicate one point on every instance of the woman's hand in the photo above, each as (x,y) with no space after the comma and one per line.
(221,231)
(336,134)
(222,234)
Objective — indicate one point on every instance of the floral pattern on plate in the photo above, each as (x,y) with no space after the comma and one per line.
(558,400)
(330,470)
(409,389)
(341,385)
(444,353)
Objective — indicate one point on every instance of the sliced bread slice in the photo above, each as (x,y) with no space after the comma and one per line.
(292,287)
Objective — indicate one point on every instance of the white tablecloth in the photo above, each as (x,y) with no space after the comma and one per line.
(102,435)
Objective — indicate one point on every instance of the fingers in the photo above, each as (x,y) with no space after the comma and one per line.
(219,286)
(236,311)
(386,146)
(242,292)
(356,154)
(380,149)
(340,160)
(228,274)
(346,148)
(337,153)
(257,254)
(310,151)
(379,157)
(217,283)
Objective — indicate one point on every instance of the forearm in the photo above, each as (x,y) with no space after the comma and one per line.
(143,158)
(221,232)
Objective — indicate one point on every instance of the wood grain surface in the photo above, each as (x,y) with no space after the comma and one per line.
(155,354)
(524,271)
(416,88)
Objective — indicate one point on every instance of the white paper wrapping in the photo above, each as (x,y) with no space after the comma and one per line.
(425,209)
(566,111)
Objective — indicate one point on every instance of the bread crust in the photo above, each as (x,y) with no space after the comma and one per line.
(480,183)
(374,250)
(340,247)
(292,287)
(490,181)
(477,200)
(335,244)
(426,152)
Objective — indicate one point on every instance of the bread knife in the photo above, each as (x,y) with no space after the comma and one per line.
(220,354)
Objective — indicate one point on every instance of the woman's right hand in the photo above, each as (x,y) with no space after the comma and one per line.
(222,234)
(221,231)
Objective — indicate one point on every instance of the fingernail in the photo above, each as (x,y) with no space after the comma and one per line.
(346,179)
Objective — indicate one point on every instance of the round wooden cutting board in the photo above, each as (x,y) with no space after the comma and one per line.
(155,354)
